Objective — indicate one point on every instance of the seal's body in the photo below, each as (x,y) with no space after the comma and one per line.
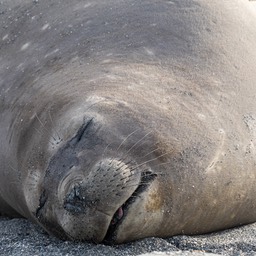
(126,119)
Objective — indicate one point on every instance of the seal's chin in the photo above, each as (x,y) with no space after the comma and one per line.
(119,216)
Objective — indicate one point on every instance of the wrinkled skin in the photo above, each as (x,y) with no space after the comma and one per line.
(126,119)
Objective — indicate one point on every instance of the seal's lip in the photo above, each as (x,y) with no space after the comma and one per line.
(147,178)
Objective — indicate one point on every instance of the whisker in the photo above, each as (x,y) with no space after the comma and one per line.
(49,113)
(150,152)
(151,160)
(42,134)
(126,139)
(136,185)
(104,151)
(162,164)
(135,144)
(139,141)
(12,168)
(45,127)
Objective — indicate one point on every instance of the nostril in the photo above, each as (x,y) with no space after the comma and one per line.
(77,202)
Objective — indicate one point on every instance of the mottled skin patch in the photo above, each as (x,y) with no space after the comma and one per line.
(155,202)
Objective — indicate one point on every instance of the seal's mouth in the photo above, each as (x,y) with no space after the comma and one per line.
(119,216)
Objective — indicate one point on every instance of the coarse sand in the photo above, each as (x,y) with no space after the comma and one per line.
(21,237)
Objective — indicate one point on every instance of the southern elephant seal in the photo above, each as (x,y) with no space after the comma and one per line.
(126,119)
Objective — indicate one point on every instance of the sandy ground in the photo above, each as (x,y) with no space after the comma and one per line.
(20,237)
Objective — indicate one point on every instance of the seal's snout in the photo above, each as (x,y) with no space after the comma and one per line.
(94,205)
(110,180)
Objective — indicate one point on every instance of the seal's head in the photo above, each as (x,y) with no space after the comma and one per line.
(97,183)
